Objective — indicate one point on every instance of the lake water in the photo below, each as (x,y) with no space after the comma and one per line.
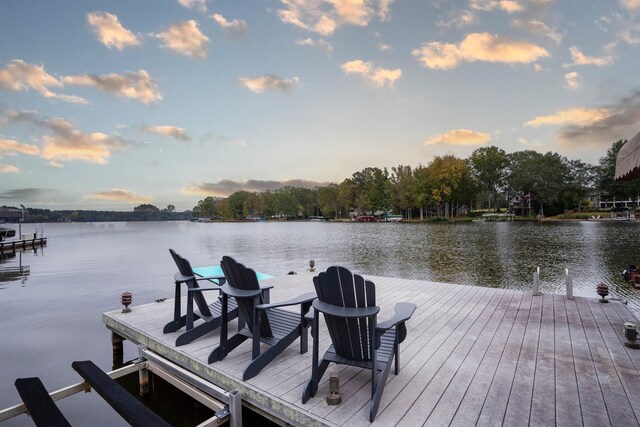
(53,316)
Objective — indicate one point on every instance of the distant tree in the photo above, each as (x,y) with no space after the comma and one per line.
(490,166)
(146,208)
(169,208)
(403,190)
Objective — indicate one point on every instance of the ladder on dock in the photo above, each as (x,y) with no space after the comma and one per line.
(40,404)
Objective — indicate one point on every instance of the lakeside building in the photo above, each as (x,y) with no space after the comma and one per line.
(13,215)
(604,201)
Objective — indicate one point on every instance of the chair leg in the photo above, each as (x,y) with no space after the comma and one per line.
(312,386)
(379,389)
(222,351)
(195,333)
(174,325)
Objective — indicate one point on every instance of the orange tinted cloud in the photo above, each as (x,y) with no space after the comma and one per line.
(186,39)
(478,47)
(378,76)
(120,195)
(110,32)
(459,137)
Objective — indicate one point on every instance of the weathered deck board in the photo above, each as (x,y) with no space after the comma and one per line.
(473,356)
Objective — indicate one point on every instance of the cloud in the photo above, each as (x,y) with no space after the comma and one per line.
(24,193)
(537,27)
(572,81)
(11,147)
(119,195)
(630,4)
(384,10)
(262,83)
(378,76)
(235,28)
(9,169)
(573,116)
(478,47)
(324,16)
(173,131)
(186,39)
(21,76)
(580,58)
(66,143)
(509,6)
(55,164)
(321,44)
(460,137)
(139,86)
(110,32)
(200,5)
(459,20)
(383,47)
(595,126)
(523,141)
(226,187)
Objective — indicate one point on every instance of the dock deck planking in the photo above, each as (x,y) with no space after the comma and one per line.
(472,356)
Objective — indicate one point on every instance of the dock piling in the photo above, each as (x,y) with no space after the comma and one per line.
(536,282)
(118,350)
(569,284)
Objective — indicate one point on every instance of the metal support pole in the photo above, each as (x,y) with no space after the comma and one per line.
(118,350)
(569,285)
(235,408)
(143,381)
(536,282)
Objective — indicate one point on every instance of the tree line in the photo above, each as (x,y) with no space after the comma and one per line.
(545,184)
(144,212)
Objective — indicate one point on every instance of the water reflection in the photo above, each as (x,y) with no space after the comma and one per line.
(12,268)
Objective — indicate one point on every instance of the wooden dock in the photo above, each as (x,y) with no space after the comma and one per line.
(14,245)
(473,356)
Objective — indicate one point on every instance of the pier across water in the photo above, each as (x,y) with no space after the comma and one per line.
(472,355)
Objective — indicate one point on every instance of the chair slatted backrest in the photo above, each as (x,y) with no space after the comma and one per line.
(338,286)
(184,267)
(240,277)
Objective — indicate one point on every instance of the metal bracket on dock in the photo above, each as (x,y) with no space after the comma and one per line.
(225,404)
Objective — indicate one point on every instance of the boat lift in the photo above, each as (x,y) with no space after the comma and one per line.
(226,405)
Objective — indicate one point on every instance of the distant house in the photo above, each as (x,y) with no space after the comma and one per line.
(605,201)
(13,215)
(520,204)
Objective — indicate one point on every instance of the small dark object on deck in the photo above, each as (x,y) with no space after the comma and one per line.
(603,290)
(334,397)
(161,300)
(631,334)
(129,408)
(291,273)
(265,323)
(126,301)
(40,406)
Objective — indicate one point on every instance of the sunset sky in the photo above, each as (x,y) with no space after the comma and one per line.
(110,104)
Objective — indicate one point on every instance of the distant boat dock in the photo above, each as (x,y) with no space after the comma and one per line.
(14,245)
(472,356)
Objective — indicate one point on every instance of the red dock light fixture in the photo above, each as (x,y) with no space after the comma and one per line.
(126,299)
(603,290)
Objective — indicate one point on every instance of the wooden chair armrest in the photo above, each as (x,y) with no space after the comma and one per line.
(404,311)
(300,299)
(345,312)
(201,289)
(239,293)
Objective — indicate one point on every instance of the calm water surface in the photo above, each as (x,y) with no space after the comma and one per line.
(53,316)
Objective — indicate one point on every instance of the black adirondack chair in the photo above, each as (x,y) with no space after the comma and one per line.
(348,303)
(210,313)
(265,323)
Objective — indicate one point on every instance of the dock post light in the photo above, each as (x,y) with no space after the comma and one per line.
(569,285)
(334,397)
(536,282)
(126,299)
(631,334)
(603,290)
(312,265)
